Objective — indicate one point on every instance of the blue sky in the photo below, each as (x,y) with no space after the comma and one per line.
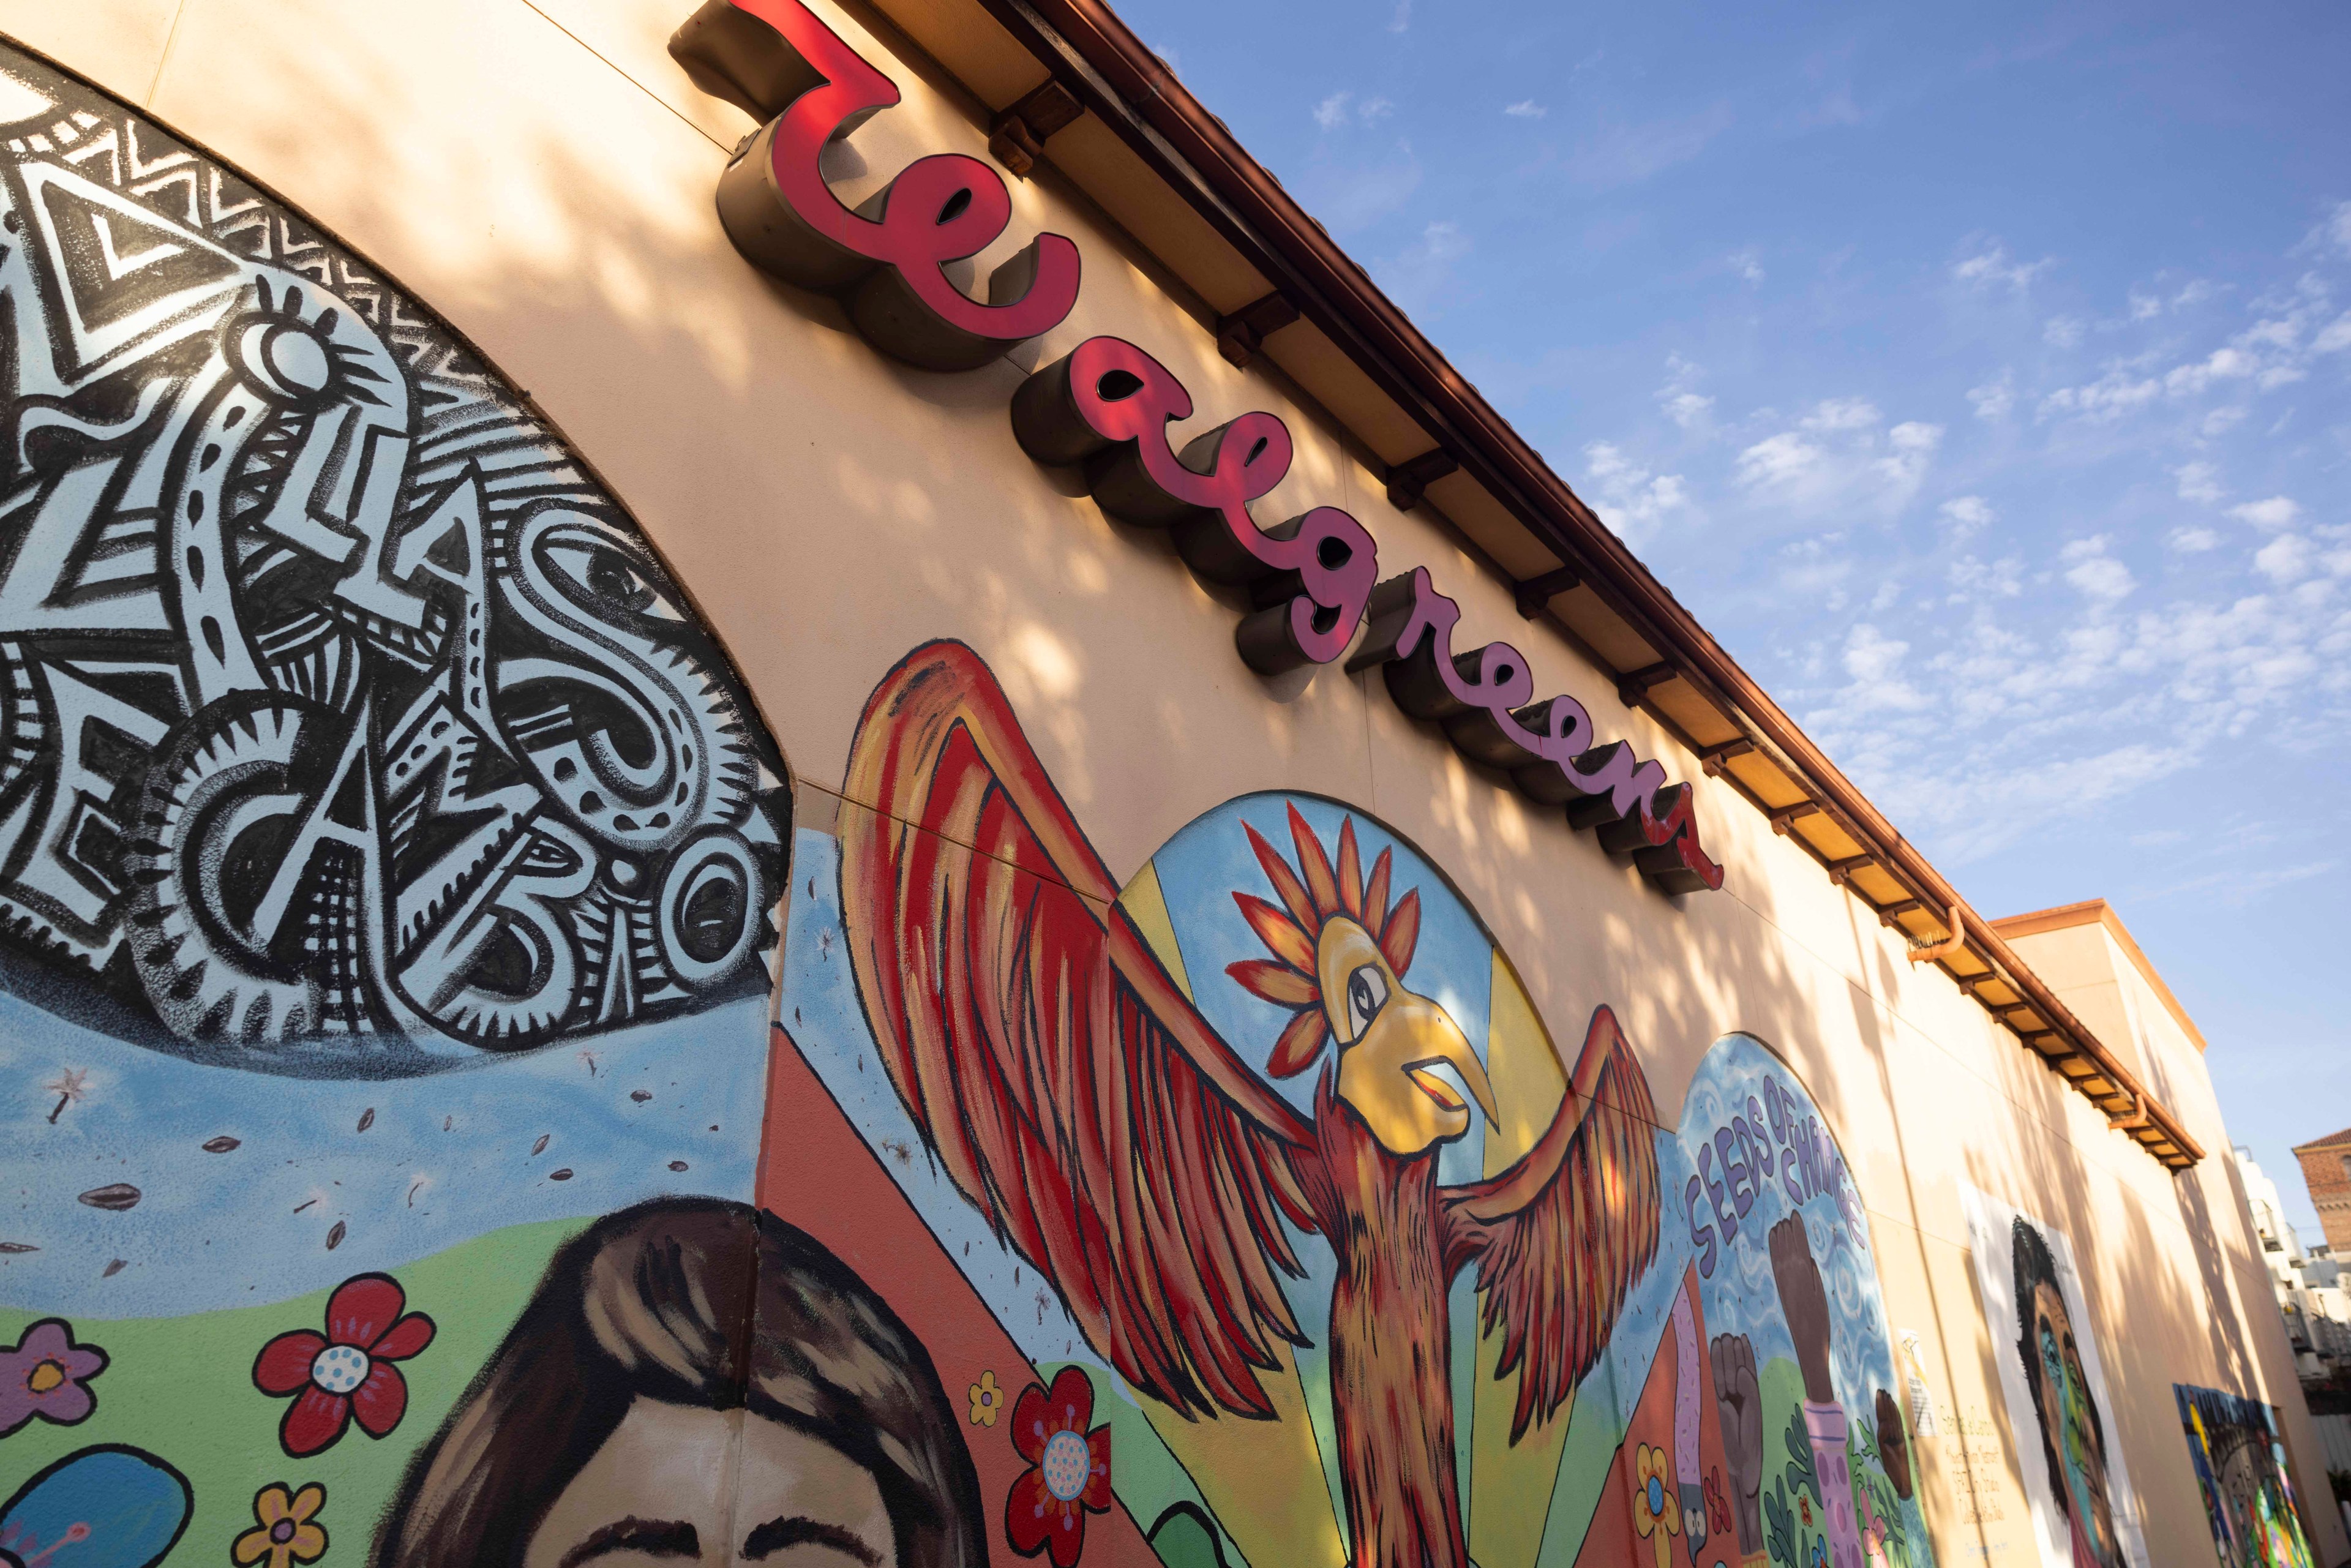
(1980,376)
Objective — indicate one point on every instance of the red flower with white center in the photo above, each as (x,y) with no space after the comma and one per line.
(348,1370)
(1069,1473)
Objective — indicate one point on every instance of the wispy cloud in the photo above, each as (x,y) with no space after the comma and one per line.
(1401,18)
(1627,154)
(1418,276)
(1994,399)
(1631,499)
(1993,265)
(1525,109)
(1748,264)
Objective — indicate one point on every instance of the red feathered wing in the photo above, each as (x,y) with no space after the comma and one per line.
(1559,1237)
(1064,1081)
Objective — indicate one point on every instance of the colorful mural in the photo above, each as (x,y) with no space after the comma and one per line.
(1268,1153)
(2240,1470)
(351,729)
(2083,1510)
(386,866)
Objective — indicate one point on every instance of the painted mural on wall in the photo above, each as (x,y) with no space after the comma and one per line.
(2077,1484)
(386,859)
(2240,1470)
(349,727)
(1263,1163)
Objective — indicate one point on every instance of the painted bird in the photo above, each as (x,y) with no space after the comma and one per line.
(1076,1096)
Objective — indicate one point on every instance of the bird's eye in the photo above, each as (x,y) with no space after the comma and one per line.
(1367,993)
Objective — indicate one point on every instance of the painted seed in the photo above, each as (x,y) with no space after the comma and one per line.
(119,1196)
(335,1237)
(220,1146)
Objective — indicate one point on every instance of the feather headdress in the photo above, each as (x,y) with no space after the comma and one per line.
(1313,895)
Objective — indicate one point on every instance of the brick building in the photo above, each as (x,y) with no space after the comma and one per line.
(2327,1170)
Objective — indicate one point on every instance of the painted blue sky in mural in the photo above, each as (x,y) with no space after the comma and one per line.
(1980,376)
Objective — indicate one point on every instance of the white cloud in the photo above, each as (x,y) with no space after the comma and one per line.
(2064,331)
(2196,292)
(2144,307)
(1875,664)
(2096,574)
(2277,512)
(2338,227)
(2334,337)
(1634,499)
(1841,413)
(1967,514)
(1332,112)
(1994,399)
(1750,267)
(2223,364)
(1401,19)
(1688,408)
(2199,482)
(1375,110)
(1526,109)
(2111,396)
(1994,265)
(2285,560)
(1778,460)
(2193,541)
(2220,421)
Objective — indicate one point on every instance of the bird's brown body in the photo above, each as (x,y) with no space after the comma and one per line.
(1391,1346)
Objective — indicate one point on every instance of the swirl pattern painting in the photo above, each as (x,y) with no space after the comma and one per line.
(348,727)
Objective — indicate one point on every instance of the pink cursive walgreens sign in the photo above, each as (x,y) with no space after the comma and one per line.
(1107,406)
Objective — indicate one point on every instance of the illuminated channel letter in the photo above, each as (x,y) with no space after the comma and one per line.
(887,257)
(1107,405)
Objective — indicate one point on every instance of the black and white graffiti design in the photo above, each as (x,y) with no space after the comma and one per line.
(346,724)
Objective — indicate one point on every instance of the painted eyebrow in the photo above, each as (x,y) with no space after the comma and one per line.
(649,1537)
(801,1530)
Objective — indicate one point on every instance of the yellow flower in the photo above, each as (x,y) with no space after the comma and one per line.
(283,1533)
(987,1402)
(1657,1513)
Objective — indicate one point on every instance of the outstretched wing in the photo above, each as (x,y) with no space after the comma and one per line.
(1066,1085)
(1559,1237)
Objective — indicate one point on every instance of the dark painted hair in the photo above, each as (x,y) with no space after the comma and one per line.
(2034,1265)
(704,1304)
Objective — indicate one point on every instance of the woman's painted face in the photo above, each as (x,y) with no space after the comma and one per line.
(674,1487)
(2066,1404)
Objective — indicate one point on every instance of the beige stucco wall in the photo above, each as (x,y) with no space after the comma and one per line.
(542,176)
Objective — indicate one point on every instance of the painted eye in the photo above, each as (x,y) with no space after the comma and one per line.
(615,580)
(1367,993)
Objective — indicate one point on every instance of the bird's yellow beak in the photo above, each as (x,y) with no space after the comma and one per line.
(1391,1041)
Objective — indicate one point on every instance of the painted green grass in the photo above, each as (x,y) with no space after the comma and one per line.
(182,1388)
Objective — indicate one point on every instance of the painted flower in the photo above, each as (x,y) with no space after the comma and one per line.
(282,1531)
(1805,1508)
(1069,1473)
(47,1375)
(348,1370)
(1820,1551)
(1718,1503)
(986,1400)
(1657,1513)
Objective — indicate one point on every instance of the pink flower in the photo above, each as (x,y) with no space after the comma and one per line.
(1069,1469)
(45,1376)
(348,1370)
